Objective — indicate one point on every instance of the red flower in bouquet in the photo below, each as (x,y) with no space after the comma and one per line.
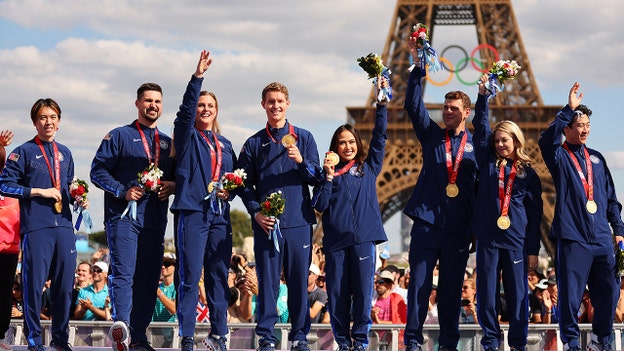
(233,180)
(78,189)
(420,31)
(273,205)
(149,178)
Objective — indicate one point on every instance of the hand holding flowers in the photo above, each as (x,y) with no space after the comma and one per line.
(619,259)
(426,54)
(272,207)
(78,190)
(501,71)
(373,66)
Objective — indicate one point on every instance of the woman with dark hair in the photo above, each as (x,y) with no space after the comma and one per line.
(352,225)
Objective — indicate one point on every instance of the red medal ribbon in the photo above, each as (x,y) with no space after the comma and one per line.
(291,131)
(588,183)
(504,191)
(146,145)
(344,169)
(215,157)
(57,163)
(453,169)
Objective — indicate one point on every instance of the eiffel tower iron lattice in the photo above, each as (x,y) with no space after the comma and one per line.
(495,27)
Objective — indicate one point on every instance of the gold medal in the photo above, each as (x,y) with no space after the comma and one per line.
(288,140)
(503,222)
(332,157)
(591,206)
(211,187)
(452,190)
(58,207)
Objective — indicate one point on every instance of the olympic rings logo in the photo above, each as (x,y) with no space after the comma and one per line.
(462,64)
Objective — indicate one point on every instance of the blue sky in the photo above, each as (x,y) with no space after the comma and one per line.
(91,57)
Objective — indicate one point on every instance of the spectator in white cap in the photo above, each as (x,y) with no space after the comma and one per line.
(93,301)
(540,303)
(317,297)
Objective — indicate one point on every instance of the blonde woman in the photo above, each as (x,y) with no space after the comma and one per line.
(507,217)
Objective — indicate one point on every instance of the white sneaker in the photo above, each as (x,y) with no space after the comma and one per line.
(4,345)
(119,333)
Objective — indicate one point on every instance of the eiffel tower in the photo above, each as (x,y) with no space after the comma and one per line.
(497,32)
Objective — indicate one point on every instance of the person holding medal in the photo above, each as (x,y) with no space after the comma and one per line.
(135,218)
(281,157)
(441,208)
(203,233)
(39,173)
(506,223)
(353,227)
(587,222)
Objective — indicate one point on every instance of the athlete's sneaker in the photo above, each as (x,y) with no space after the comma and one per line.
(413,346)
(343,347)
(265,345)
(300,345)
(141,346)
(4,345)
(119,333)
(593,345)
(55,346)
(37,348)
(359,347)
(567,347)
(215,344)
(187,343)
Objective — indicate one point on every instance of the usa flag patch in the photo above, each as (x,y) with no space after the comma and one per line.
(14,157)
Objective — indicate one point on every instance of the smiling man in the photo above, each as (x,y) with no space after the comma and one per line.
(281,157)
(586,212)
(135,238)
(39,173)
(441,207)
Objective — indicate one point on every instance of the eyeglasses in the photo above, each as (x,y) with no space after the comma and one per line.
(96,270)
(466,287)
(168,264)
(379,282)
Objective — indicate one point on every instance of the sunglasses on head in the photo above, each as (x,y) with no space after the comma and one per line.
(168,264)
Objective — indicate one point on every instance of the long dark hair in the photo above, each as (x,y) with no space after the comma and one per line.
(360,157)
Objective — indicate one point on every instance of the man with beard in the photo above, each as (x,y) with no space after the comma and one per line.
(135,217)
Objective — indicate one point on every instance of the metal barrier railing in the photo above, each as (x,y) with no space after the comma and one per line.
(242,336)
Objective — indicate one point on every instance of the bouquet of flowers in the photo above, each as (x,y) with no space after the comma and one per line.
(373,65)
(273,206)
(149,178)
(78,190)
(619,259)
(428,56)
(501,71)
(233,180)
